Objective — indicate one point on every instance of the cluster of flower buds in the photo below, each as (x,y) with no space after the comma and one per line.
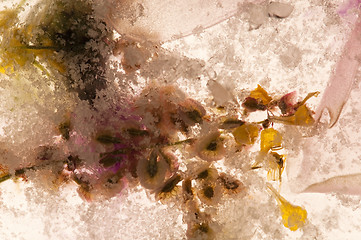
(148,148)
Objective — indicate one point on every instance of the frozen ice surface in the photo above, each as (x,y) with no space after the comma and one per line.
(282,55)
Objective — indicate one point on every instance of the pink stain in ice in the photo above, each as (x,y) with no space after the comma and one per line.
(340,84)
(347,6)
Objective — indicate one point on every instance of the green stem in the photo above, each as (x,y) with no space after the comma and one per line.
(39,47)
(189,140)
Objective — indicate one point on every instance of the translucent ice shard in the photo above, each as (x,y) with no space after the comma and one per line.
(163,20)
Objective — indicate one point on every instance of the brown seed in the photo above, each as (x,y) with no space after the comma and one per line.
(187,186)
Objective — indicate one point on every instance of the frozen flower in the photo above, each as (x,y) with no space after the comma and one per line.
(166,110)
(207,174)
(108,185)
(260,94)
(258,99)
(190,112)
(200,230)
(98,183)
(294,113)
(169,188)
(246,134)
(230,184)
(210,147)
(209,193)
(157,106)
(125,143)
(293,217)
(287,103)
(151,171)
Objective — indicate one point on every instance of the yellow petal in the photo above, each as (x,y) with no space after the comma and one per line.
(270,138)
(260,94)
(8,17)
(302,117)
(276,165)
(4,173)
(309,96)
(246,134)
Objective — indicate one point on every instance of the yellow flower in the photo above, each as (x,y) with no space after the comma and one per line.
(293,217)
(246,134)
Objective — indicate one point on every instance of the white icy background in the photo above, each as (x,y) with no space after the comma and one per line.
(312,38)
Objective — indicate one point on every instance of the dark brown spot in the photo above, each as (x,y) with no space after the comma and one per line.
(251,104)
(203,175)
(46,153)
(208,192)
(203,227)
(187,190)
(266,123)
(152,164)
(137,132)
(72,162)
(109,160)
(231,185)
(64,129)
(187,186)
(231,123)
(279,159)
(212,146)
(195,116)
(114,178)
(282,106)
